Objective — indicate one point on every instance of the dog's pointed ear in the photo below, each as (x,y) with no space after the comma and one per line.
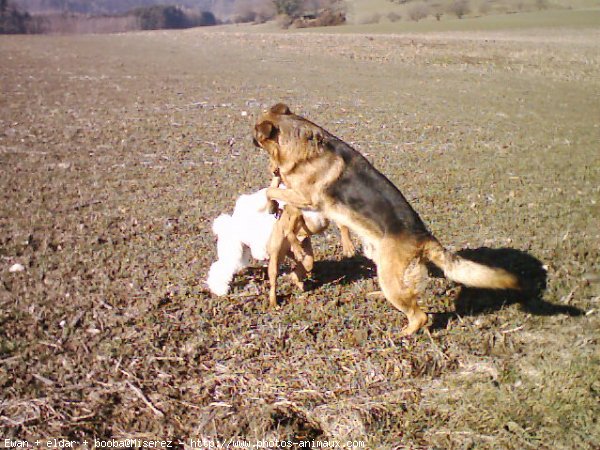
(280,108)
(265,130)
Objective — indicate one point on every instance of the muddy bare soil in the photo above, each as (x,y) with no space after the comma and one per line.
(116,152)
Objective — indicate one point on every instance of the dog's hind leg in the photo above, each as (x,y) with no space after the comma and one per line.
(293,224)
(347,246)
(283,242)
(398,269)
(303,265)
(308,260)
(278,247)
(300,251)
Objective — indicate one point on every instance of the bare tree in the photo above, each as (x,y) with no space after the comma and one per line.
(394,16)
(257,11)
(369,19)
(310,13)
(418,11)
(485,7)
(290,8)
(264,10)
(460,8)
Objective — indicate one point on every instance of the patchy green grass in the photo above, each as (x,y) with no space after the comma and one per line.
(481,15)
(585,18)
(372,18)
(116,152)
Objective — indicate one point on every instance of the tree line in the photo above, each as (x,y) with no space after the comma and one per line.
(72,16)
(14,21)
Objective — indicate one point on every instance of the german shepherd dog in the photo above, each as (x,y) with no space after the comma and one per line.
(323,173)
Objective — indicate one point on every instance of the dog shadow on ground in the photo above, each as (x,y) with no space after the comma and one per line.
(531,274)
(344,271)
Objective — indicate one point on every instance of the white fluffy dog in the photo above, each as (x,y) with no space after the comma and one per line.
(246,234)
(243,234)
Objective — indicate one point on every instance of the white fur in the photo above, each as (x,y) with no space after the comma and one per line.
(315,220)
(369,249)
(243,234)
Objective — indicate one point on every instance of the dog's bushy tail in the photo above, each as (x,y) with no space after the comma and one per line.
(468,272)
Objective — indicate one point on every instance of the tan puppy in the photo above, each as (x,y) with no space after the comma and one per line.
(324,173)
(291,237)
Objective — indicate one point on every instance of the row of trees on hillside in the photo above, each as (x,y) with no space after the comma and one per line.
(171,17)
(296,13)
(420,9)
(108,7)
(64,16)
(12,21)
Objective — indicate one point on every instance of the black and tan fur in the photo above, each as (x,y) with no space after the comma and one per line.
(324,173)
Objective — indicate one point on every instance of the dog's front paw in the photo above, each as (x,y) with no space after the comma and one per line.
(218,288)
(219,277)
